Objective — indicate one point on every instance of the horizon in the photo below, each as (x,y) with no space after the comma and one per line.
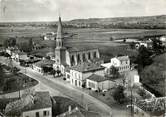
(48,10)
(81,19)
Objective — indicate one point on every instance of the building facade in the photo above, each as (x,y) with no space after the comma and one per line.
(79,74)
(97,82)
(122,63)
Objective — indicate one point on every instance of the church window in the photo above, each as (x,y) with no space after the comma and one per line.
(94,55)
(78,57)
(83,56)
(72,60)
(89,56)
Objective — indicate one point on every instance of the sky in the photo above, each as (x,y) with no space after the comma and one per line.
(48,10)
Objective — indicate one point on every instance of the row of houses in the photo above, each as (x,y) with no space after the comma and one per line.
(90,75)
(41,104)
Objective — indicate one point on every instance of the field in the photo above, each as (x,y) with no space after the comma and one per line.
(94,37)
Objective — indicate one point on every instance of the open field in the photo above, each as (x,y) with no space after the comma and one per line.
(94,37)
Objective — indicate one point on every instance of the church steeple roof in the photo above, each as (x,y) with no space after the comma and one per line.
(59,30)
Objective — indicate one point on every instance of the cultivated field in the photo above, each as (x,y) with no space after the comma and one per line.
(98,38)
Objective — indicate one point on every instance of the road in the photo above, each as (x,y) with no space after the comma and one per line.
(53,85)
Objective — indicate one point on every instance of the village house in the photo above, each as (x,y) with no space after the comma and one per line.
(49,36)
(132,78)
(38,66)
(99,83)
(147,44)
(37,105)
(9,50)
(122,63)
(79,73)
(17,56)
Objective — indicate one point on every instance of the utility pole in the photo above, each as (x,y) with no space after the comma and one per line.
(164,95)
(131,102)
(131,91)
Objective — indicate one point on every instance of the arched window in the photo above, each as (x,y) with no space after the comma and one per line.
(78,58)
(83,57)
(89,57)
(94,55)
(72,60)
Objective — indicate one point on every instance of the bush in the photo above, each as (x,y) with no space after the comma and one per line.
(118,95)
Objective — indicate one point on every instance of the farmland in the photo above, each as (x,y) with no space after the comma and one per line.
(93,37)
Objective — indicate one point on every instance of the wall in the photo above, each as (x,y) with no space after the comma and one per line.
(36,68)
(33,113)
(90,81)
(105,85)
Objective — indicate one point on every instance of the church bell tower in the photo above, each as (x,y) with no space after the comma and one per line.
(60,51)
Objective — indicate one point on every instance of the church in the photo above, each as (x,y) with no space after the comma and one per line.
(66,57)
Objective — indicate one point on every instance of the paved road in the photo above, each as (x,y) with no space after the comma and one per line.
(54,85)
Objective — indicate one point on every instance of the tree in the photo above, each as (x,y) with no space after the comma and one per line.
(143,59)
(2,79)
(132,45)
(53,72)
(113,72)
(24,47)
(11,42)
(124,40)
(157,46)
(30,44)
(118,95)
(58,72)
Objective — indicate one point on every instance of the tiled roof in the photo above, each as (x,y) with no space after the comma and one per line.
(79,49)
(87,67)
(97,78)
(123,58)
(40,100)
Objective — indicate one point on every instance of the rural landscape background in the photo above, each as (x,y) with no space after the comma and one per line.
(135,37)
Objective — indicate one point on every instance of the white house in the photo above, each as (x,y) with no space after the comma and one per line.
(42,106)
(32,105)
(49,36)
(163,38)
(97,82)
(9,50)
(132,78)
(122,63)
(79,73)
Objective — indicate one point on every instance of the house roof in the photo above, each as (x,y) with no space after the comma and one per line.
(123,58)
(97,78)
(87,67)
(40,100)
(106,65)
(44,62)
(79,49)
